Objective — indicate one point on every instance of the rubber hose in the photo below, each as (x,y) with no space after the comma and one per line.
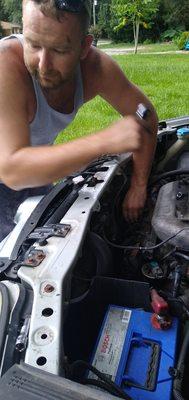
(177,386)
(167,174)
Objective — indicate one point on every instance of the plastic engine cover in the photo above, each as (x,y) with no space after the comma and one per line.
(171,214)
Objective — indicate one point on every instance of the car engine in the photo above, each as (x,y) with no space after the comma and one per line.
(72,266)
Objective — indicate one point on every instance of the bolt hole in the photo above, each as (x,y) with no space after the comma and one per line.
(47,312)
(86,198)
(44,336)
(41,361)
(83,212)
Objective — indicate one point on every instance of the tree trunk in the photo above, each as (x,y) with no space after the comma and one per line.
(134,31)
(94,13)
(136,35)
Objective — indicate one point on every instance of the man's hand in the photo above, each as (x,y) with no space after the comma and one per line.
(126,135)
(133,203)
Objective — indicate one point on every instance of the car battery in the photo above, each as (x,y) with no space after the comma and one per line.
(134,355)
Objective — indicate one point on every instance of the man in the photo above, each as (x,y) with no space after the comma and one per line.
(45,76)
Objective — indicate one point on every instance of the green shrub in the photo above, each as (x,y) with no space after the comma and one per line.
(147,41)
(182,39)
(170,34)
(96,31)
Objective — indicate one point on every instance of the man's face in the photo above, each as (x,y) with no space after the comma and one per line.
(52,49)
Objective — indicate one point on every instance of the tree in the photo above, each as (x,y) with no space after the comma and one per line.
(13,9)
(139,12)
(3,15)
(176,13)
(104,17)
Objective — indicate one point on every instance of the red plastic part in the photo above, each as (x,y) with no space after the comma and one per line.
(158,304)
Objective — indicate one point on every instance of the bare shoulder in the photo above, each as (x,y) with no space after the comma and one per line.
(15,82)
(98,70)
(11,50)
(12,65)
(97,60)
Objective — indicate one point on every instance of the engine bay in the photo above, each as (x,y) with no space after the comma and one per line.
(72,257)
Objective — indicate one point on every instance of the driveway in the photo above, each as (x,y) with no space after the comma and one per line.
(130,50)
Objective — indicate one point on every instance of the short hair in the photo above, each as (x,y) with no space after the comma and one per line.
(48,8)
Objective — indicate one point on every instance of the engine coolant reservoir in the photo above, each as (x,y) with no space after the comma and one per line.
(176,148)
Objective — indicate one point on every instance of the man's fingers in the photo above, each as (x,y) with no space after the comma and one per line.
(133,204)
(132,215)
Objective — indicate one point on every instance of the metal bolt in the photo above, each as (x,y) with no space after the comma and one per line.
(30,260)
(49,288)
(58,231)
(179,195)
(40,256)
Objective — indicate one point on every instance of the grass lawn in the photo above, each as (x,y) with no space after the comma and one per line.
(163,77)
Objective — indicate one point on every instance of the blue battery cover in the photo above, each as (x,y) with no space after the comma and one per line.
(135,355)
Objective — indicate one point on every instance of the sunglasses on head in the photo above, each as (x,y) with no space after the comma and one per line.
(69,5)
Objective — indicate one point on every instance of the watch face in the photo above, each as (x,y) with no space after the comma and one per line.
(142,111)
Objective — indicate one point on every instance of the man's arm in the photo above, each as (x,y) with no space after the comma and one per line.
(124,96)
(24,166)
